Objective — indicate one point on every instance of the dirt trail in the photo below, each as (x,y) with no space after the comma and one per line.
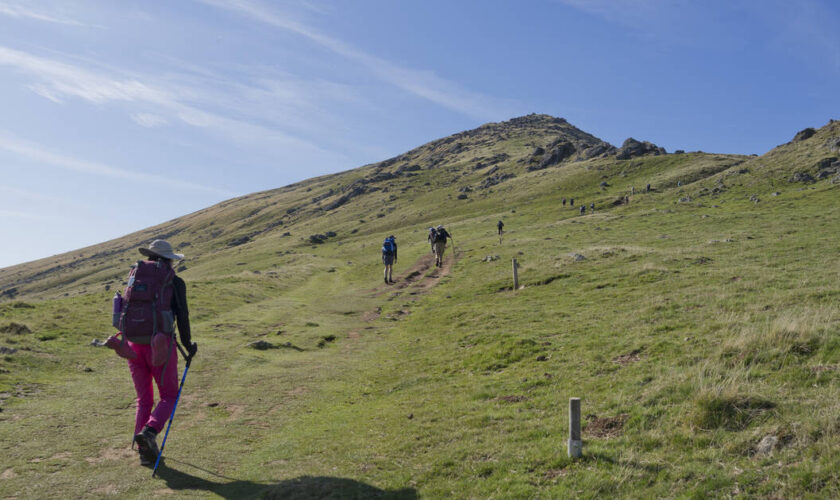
(416,281)
(417,276)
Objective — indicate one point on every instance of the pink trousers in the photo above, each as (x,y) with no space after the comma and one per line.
(166,379)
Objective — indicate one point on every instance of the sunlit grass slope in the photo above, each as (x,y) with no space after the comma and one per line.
(698,324)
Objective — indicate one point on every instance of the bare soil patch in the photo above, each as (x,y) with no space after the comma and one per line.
(605,427)
(372,315)
(108,489)
(555,473)
(511,398)
(107,454)
(626,359)
(297,391)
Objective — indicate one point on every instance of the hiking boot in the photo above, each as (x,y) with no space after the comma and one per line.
(386,281)
(147,445)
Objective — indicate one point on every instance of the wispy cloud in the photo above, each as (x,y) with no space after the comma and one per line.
(9,191)
(57,80)
(631,12)
(647,18)
(424,84)
(15,214)
(60,79)
(149,120)
(21,11)
(41,155)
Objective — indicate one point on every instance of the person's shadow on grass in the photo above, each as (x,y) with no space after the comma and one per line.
(304,487)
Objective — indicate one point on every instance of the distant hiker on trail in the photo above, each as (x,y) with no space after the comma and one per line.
(582,209)
(647,188)
(571,202)
(439,244)
(592,206)
(564,202)
(155,298)
(500,226)
(389,256)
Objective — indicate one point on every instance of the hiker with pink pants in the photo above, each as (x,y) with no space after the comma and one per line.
(143,372)
(155,300)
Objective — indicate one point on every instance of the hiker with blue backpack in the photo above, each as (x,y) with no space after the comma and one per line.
(155,300)
(389,256)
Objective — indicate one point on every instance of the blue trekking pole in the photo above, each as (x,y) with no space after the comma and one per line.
(174,407)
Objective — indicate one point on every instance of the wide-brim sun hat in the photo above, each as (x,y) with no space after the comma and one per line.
(160,248)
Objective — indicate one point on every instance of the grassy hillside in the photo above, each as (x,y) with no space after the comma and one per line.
(697,323)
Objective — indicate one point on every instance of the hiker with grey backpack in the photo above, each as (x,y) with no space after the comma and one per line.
(438,238)
(155,300)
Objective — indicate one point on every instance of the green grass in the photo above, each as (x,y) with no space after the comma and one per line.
(697,327)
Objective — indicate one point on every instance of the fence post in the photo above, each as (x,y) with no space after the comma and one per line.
(515,275)
(575,443)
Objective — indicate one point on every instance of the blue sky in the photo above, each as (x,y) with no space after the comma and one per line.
(120,115)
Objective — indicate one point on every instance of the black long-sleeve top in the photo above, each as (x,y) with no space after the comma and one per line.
(182,313)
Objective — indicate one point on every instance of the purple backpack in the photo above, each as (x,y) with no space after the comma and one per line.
(147,302)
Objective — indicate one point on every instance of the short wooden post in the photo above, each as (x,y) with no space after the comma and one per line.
(575,443)
(515,275)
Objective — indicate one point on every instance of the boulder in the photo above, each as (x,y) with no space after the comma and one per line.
(803,135)
(801,177)
(557,154)
(239,241)
(602,148)
(261,345)
(632,148)
(766,445)
(15,328)
(827,162)
(495,179)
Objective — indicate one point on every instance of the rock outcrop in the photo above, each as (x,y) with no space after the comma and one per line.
(632,148)
(803,135)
